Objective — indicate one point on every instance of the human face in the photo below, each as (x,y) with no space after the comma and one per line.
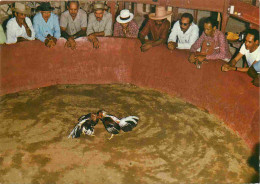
(185,24)
(159,22)
(73,9)
(124,25)
(99,14)
(20,17)
(46,15)
(209,30)
(250,44)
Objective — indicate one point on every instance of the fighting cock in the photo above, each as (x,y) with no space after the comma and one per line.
(85,126)
(113,125)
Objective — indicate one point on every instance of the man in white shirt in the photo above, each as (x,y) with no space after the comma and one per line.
(184,33)
(20,27)
(250,49)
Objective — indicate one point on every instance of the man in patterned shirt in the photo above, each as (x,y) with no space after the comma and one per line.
(212,42)
(125,26)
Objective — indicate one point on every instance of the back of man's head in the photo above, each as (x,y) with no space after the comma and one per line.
(188,15)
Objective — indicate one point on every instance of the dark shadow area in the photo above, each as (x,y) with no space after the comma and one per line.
(253,161)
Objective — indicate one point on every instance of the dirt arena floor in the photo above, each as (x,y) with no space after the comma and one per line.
(174,142)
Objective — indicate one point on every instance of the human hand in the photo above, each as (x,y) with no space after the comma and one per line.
(201,58)
(225,68)
(192,58)
(146,47)
(172,45)
(72,43)
(49,43)
(96,44)
(91,37)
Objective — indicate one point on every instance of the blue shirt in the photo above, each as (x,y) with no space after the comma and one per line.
(42,29)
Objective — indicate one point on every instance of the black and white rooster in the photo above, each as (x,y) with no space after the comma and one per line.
(85,126)
(113,125)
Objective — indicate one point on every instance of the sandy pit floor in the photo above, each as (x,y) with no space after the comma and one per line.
(174,141)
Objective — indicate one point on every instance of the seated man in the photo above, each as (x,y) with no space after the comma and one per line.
(20,27)
(125,26)
(184,33)
(99,24)
(46,25)
(158,26)
(251,50)
(73,23)
(212,42)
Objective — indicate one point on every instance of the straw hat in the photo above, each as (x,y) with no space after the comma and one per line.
(125,16)
(99,6)
(22,8)
(160,13)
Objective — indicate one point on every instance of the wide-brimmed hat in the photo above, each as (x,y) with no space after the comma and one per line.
(99,6)
(22,8)
(125,16)
(160,13)
(45,6)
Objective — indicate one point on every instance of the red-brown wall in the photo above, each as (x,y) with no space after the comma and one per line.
(230,96)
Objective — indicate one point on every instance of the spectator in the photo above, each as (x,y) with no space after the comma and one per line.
(251,50)
(20,27)
(184,33)
(158,26)
(46,25)
(125,26)
(212,42)
(73,23)
(100,24)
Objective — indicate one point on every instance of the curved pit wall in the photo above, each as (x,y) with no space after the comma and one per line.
(230,96)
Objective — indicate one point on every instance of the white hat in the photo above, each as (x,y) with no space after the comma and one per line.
(125,16)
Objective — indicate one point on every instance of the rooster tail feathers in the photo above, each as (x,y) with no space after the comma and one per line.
(128,123)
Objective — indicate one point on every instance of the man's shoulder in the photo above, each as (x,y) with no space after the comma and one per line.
(11,22)
(167,23)
(65,13)
(82,12)
(53,15)
(92,16)
(37,17)
(107,15)
(194,26)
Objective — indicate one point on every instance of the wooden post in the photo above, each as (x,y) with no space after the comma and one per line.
(112,5)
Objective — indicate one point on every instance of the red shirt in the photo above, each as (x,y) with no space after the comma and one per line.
(157,31)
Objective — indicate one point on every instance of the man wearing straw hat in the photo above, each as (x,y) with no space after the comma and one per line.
(125,26)
(158,26)
(46,25)
(99,24)
(20,27)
